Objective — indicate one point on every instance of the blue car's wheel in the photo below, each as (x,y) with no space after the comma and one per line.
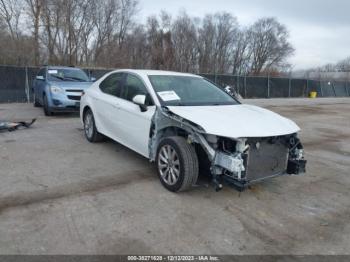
(47,109)
(35,101)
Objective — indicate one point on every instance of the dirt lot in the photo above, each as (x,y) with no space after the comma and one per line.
(60,194)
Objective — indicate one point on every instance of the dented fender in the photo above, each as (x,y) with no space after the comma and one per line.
(163,119)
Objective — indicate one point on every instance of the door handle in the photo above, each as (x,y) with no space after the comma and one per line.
(116,106)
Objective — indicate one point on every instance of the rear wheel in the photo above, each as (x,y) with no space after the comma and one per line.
(177,164)
(47,110)
(90,130)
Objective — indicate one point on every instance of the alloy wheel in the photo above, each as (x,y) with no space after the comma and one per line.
(169,165)
(88,125)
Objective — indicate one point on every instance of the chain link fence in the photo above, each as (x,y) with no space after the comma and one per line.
(278,87)
(16,82)
(16,85)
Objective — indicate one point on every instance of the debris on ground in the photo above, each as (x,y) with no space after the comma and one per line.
(12,126)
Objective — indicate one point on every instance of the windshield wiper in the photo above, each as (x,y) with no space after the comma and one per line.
(58,77)
(76,78)
(72,79)
(176,104)
(68,78)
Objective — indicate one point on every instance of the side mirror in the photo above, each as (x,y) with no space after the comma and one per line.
(140,100)
(232,92)
(92,79)
(41,78)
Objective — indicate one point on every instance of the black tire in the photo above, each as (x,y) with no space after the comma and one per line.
(47,110)
(92,136)
(36,103)
(188,163)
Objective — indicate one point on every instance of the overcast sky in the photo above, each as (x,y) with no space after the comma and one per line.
(319,29)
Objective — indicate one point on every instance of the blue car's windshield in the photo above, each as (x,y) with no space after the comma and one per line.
(189,91)
(67,74)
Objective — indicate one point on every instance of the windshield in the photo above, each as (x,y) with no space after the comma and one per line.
(189,91)
(67,74)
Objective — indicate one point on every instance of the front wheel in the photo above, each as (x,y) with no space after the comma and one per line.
(177,164)
(47,109)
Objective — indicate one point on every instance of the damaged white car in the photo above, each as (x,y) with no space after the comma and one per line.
(188,125)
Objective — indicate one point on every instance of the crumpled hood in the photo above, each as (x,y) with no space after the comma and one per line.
(237,121)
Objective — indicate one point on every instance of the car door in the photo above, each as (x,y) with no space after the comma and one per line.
(39,85)
(134,125)
(106,102)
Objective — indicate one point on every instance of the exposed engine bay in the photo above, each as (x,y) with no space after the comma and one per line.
(236,161)
(247,161)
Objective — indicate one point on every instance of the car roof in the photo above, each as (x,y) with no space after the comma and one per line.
(63,67)
(143,72)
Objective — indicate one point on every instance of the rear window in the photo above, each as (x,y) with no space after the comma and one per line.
(112,85)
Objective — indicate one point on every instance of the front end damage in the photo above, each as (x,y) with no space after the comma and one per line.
(236,161)
(245,161)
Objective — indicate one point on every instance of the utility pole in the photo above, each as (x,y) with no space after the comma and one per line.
(289,85)
(268,85)
(245,85)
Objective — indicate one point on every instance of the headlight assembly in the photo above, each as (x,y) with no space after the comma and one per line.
(56,90)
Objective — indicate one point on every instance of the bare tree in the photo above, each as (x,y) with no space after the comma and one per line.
(227,28)
(269,45)
(34,11)
(51,19)
(128,9)
(206,45)
(185,41)
(84,32)
(10,12)
(343,65)
(167,40)
(104,23)
(15,44)
(105,33)
(160,46)
(241,53)
(155,44)
(137,50)
(217,41)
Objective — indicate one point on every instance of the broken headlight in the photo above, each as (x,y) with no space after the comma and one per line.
(296,161)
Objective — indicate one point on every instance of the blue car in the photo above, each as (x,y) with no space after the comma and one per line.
(59,89)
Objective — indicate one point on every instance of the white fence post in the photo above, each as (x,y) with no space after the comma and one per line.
(27,91)
(268,85)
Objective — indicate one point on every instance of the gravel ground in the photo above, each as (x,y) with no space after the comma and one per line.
(60,194)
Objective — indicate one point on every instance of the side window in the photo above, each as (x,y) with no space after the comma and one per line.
(134,86)
(42,73)
(112,85)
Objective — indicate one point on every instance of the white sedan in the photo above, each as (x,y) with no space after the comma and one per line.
(188,125)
